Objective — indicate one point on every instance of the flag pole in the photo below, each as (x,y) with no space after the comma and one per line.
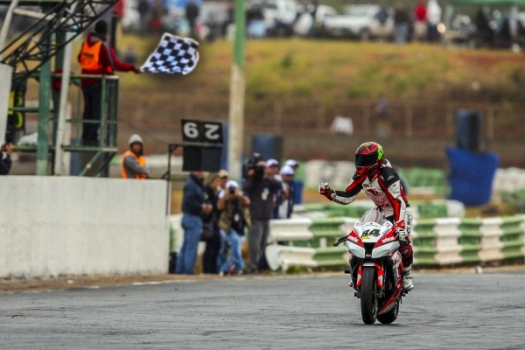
(236,114)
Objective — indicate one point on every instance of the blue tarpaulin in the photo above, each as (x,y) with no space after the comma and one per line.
(471,175)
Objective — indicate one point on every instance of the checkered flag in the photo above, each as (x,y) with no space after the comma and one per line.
(174,54)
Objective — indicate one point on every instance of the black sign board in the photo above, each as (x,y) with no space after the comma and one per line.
(204,153)
(201,131)
(199,158)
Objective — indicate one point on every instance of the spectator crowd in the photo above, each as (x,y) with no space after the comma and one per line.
(222,212)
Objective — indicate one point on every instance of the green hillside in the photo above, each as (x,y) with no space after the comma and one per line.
(332,70)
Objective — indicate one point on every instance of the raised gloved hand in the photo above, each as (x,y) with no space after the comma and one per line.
(325,190)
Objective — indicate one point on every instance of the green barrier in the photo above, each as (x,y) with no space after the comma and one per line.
(326,228)
(333,256)
(432,210)
(422,177)
(511,238)
(429,252)
(323,228)
(172,239)
(425,242)
(470,240)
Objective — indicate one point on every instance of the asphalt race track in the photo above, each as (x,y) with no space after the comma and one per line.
(444,311)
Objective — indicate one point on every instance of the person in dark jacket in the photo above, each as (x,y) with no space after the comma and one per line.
(401,24)
(382,17)
(213,241)
(192,12)
(98,58)
(261,192)
(5,158)
(143,9)
(193,208)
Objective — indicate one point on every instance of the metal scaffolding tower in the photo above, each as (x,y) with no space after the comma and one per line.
(30,55)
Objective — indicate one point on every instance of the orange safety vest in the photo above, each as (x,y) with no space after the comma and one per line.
(141,160)
(90,57)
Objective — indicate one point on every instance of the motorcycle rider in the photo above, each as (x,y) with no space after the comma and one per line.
(382,184)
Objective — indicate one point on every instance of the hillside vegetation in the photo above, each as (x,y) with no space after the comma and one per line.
(296,86)
(332,70)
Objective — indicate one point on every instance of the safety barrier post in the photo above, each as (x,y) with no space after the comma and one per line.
(424,242)
(448,249)
(470,240)
(491,245)
(522,226)
(512,238)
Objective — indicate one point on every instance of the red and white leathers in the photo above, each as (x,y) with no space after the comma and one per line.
(383,186)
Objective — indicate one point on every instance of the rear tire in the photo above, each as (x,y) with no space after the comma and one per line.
(390,316)
(369,302)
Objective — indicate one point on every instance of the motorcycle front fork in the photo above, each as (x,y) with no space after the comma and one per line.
(353,263)
(353,271)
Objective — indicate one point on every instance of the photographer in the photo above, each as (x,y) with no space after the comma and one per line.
(261,189)
(234,218)
(285,208)
(5,158)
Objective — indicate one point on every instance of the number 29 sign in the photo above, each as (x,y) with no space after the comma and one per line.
(201,131)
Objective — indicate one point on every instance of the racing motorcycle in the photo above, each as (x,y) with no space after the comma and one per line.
(377,269)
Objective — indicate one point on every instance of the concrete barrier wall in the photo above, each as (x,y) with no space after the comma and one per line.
(52,226)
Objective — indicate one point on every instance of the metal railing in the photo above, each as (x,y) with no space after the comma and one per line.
(106,148)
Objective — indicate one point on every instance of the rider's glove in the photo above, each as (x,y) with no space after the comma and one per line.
(403,236)
(326,191)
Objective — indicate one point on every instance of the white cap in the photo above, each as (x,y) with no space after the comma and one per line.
(272,162)
(292,163)
(135,138)
(286,170)
(232,183)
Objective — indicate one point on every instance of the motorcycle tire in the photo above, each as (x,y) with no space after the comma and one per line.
(390,316)
(369,302)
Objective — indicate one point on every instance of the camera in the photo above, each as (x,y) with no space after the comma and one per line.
(231,190)
(253,164)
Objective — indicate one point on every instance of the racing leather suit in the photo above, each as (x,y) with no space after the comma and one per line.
(383,186)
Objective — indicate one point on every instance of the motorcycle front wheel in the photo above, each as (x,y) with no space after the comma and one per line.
(369,302)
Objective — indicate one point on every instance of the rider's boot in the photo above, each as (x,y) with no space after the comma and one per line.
(407,279)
